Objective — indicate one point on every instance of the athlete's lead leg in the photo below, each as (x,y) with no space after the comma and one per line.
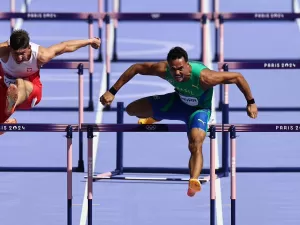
(197,128)
(196,139)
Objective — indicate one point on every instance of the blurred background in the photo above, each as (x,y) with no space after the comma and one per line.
(262,198)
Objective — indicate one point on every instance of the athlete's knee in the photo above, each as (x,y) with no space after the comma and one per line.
(195,146)
(130,109)
(196,139)
(139,108)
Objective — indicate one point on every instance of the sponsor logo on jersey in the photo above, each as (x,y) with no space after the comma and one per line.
(191,101)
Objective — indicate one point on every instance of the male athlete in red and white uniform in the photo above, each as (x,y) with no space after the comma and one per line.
(21,60)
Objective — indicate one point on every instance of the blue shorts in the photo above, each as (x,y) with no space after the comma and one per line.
(170,107)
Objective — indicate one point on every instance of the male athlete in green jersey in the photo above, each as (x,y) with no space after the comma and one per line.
(190,102)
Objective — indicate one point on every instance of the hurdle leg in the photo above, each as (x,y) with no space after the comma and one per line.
(220,53)
(215,12)
(225,136)
(119,155)
(69,174)
(233,172)
(12,9)
(80,167)
(107,51)
(100,24)
(212,175)
(90,137)
(116,9)
(91,61)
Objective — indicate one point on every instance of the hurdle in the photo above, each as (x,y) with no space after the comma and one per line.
(66,128)
(254,17)
(120,168)
(220,18)
(232,129)
(100,25)
(91,128)
(80,165)
(287,65)
(118,8)
(51,16)
(118,16)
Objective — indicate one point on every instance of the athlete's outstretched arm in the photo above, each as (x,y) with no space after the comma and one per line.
(47,54)
(210,78)
(147,68)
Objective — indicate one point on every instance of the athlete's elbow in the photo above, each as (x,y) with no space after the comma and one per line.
(239,78)
(235,78)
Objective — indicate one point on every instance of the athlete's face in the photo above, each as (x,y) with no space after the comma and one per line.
(21,55)
(180,69)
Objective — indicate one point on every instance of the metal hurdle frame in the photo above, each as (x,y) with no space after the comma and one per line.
(80,165)
(52,16)
(121,169)
(146,17)
(232,129)
(220,19)
(65,128)
(217,13)
(119,128)
(100,25)
(91,128)
(226,66)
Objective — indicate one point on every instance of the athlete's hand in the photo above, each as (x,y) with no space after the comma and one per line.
(96,43)
(252,111)
(107,98)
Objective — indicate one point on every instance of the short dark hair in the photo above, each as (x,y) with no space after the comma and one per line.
(177,53)
(19,39)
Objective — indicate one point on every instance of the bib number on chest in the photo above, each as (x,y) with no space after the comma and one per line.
(191,101)
(9,81)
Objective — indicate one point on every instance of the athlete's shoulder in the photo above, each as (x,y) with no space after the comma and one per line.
(198,63)
(198,68)
(4,44)
(161,66)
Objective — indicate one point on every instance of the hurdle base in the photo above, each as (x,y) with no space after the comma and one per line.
(268,169)
(120,175)
(220,171)
(156,170)
(36,169)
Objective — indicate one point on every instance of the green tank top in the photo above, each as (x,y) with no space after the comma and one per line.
(190,92)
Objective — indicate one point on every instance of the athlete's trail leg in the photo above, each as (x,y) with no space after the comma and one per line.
(142,109)
(17,94)
(196,139)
